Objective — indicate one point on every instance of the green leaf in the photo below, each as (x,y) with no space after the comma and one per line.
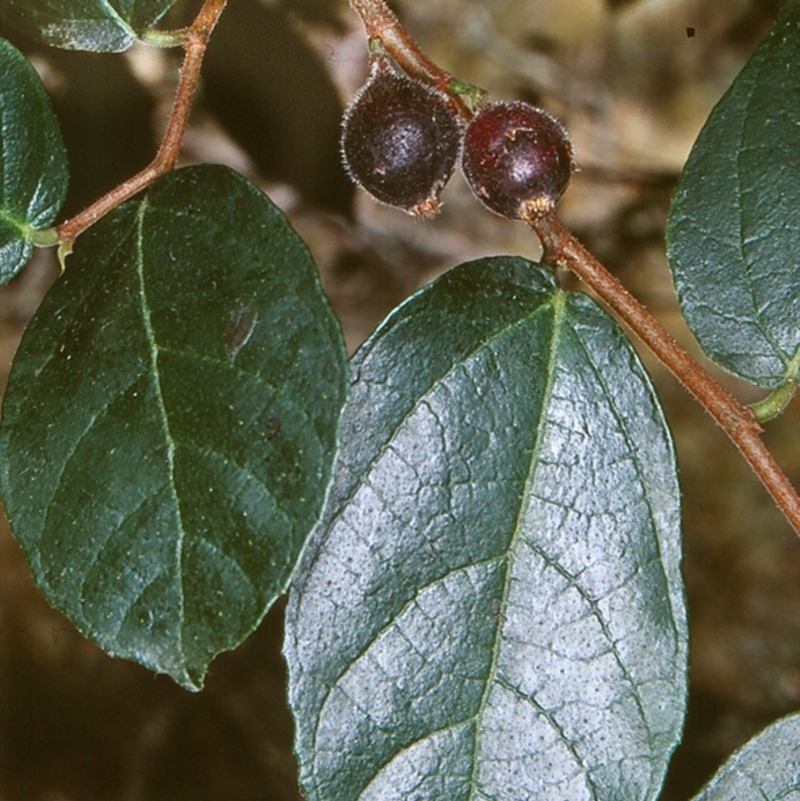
(734,231)
(33,161)
(492,606)
(765,768)
(170,422)
(97,25)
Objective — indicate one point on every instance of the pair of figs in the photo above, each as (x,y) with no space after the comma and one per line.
(402,140)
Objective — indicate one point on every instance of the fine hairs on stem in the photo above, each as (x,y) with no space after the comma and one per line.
(561,249)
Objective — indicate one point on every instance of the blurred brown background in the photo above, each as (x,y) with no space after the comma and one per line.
(633,80)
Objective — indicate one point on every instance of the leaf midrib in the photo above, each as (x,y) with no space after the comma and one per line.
(499,333)
(153,352)
(483,344)
(742,239)
(343,503)
(557,303)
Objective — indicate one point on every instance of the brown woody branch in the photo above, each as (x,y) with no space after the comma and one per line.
(195,40)
(562,249)
(735,419)
(381,24)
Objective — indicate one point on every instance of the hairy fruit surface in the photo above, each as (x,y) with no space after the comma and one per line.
(401,140)
(517,159)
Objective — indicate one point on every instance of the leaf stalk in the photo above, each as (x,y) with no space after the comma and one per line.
(774,404)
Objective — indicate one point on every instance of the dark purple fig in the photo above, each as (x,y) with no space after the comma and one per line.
(401,140)
(517,159)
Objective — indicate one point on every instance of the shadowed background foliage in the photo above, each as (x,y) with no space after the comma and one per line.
(633,80)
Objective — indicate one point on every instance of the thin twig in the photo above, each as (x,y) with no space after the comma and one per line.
(735,419)
(562,249)
(195,40)
(381,23)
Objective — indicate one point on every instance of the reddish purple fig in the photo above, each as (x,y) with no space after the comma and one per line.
(401,140)
(517,159)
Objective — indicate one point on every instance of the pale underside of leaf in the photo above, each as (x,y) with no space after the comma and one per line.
(767,767)
(492,608)
(93,25)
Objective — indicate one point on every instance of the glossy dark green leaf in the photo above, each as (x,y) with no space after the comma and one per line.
(492,606)
(98,25)
(766,768)
(734,228)
(170,422)
(33,162)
